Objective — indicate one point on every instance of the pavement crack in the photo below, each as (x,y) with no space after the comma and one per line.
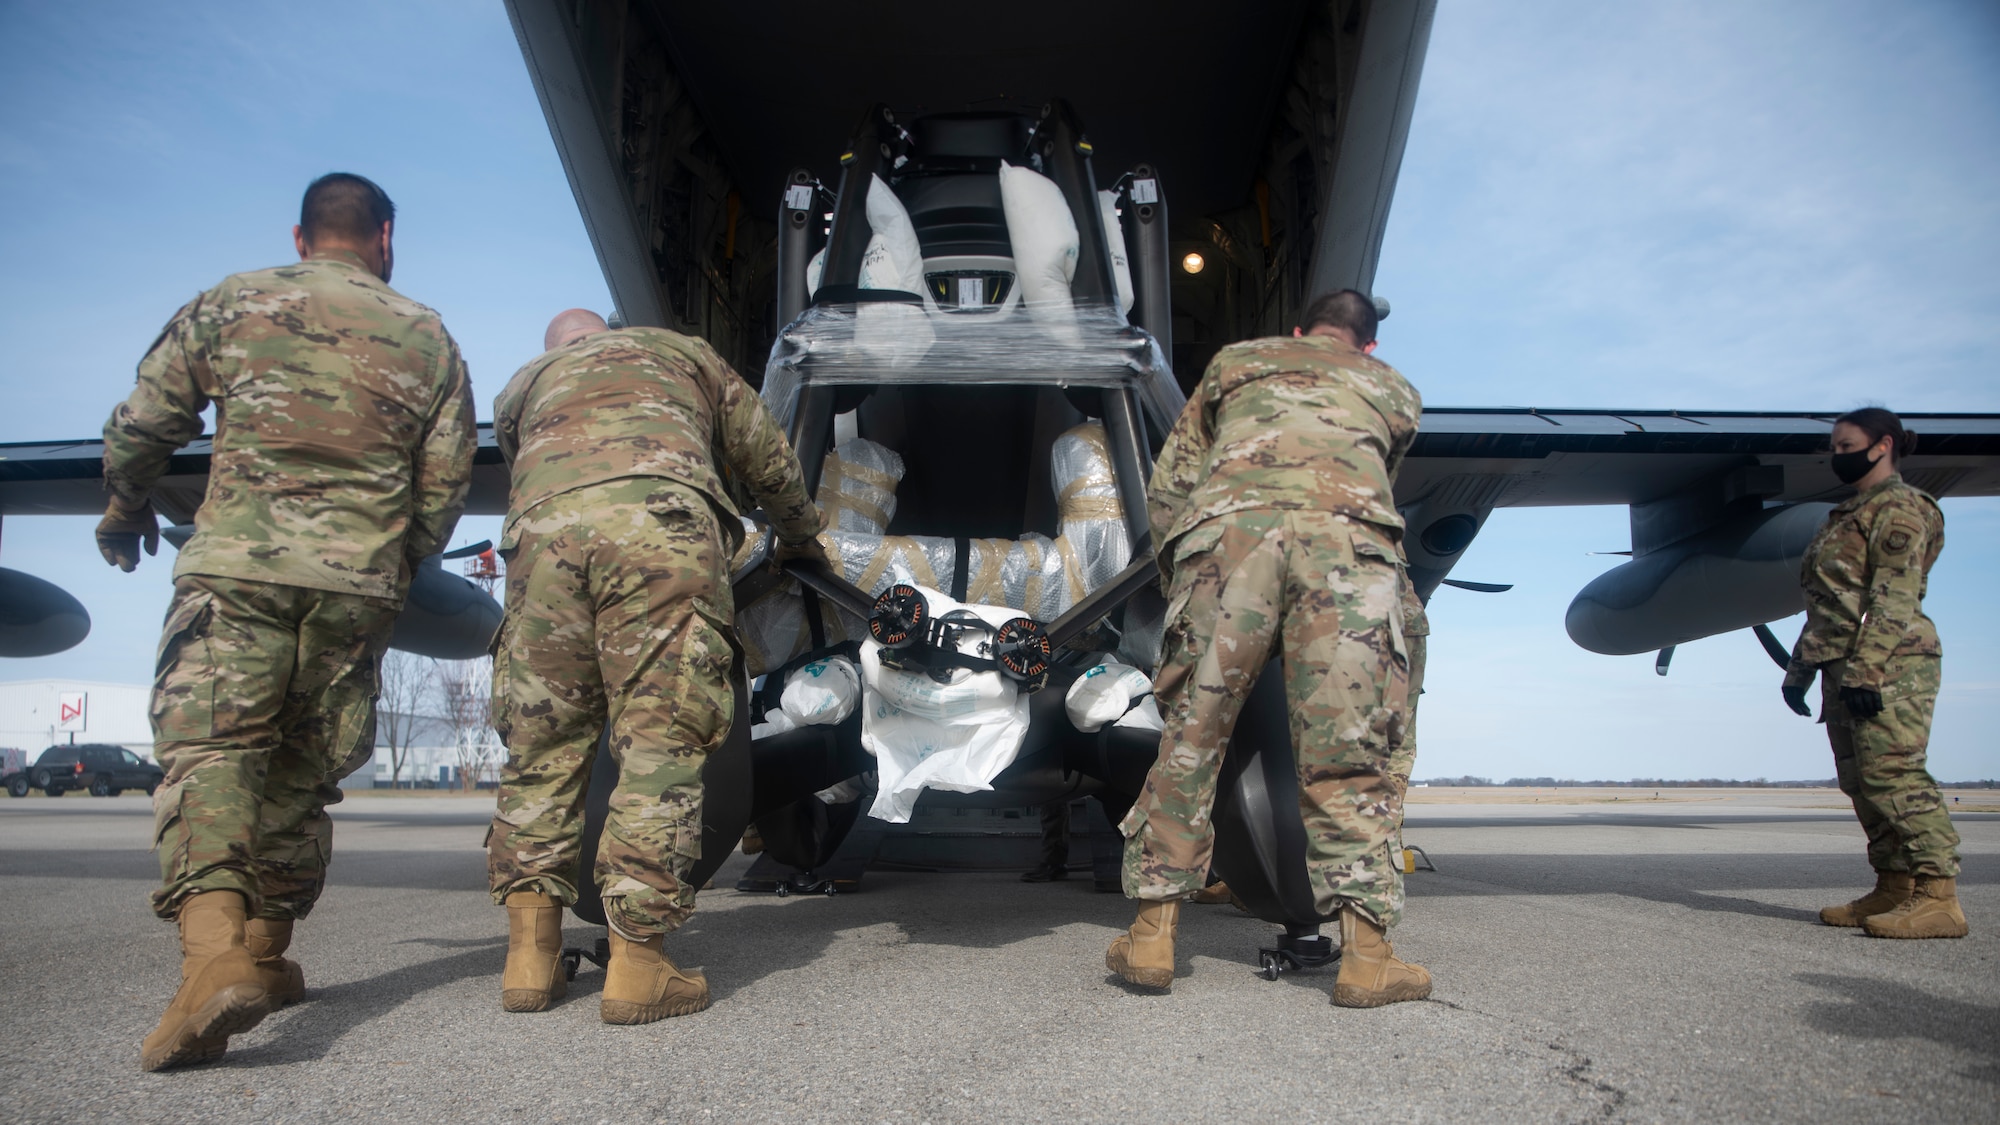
(1578,1072)
(1468,1009)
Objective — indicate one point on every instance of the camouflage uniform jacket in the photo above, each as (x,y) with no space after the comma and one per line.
(1865,575)
(646,402)
(343,428)
(1292,423)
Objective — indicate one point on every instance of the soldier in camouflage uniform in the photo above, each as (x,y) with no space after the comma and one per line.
(1278,534)
(618,538)
(1878,657)
(343,449)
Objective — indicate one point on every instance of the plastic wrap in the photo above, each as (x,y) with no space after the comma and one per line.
(1036,575)
(1093,522)
(1145,628)
(773,629)
(857,487)
(975,346)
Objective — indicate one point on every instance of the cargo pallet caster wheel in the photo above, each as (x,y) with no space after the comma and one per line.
(806,883)
(1297,948)
(574,957)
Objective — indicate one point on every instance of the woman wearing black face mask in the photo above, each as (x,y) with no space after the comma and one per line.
(1865,575)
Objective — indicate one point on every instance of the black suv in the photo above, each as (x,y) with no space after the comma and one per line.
(104,770)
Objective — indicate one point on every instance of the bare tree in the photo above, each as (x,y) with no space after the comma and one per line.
(403,684)
(465,692)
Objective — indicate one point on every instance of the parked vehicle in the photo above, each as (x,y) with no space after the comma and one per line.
(106,771)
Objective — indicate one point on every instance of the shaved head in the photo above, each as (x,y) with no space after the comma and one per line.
(572,325)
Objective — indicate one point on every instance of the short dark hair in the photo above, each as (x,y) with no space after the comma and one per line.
(344,207)
(1878,423)
(1346,309)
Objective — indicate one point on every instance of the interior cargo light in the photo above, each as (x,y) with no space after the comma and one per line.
(1193,262)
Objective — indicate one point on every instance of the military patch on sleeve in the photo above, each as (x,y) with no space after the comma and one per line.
(1897,541)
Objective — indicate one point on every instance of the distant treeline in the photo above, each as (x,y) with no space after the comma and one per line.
(1662,783)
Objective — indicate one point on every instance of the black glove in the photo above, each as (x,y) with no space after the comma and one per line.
(1861,702)
(1795,698)
(120,533)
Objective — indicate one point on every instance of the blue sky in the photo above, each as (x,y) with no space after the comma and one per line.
(1775,206)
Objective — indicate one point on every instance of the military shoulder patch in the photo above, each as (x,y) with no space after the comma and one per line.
(1897,541)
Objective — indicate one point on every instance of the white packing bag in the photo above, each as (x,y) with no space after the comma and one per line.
(775,722)
(929,735)
(822,693)
(896,333)
(1043,233)
(1112,693)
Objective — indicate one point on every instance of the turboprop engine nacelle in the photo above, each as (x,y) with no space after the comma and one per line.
(38,617)
(1741,573)
(446,616)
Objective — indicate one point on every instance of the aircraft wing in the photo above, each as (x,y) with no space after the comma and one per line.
(1722,504)
(445,615)
(66,478)
(1465,459)
(1525,457)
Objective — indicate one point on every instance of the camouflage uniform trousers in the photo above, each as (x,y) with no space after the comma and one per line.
(1404,761)
(1880,763)
(618,611)
(1321,590)
(263,699)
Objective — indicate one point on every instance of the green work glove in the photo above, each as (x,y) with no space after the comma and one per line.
(809,550)
(121,531)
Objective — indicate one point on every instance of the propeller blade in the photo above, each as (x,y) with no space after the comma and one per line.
(1778,653)
(1480,587)
(479,548)
(1661,661)
(1627,554)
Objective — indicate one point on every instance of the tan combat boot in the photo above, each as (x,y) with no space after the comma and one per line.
(1144,955)
(641,985)
(1370,975)
(267,939)
(1892,889)
(1931,912)
(1215,894)
(534,977)
(221,992)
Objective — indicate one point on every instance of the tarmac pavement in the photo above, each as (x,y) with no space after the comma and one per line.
(1631,961)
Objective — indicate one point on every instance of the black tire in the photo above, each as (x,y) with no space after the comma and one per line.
(43,779)
(17,786)
(100,787)
(114,792)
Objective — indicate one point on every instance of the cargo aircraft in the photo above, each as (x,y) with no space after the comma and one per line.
(728,193)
